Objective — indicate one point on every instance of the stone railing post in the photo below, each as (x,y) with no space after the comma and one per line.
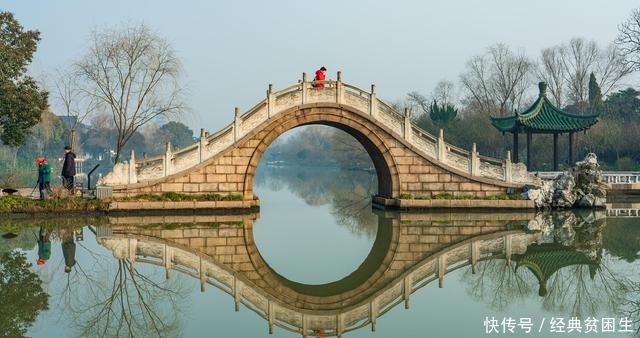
(442,150)
(168,165)
(406,290)
(508,248)
(408,132)
(339,88)
(474,161)
(304,88)
(442,269)
(507,168)
(133,245)
(132,168)
(271,101)
(202,147)
(236,125)
(373,102)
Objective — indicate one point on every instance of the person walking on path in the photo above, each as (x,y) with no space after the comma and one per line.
(44,177)
(68,168)
(321,75)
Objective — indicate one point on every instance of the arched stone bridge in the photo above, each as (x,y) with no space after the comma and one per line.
(410,252)
(406,158)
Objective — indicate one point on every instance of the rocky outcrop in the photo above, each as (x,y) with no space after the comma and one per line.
(580,187)
(580,229)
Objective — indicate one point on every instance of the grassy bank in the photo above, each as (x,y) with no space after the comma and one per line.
(20,204)
(177,197)
(445,196)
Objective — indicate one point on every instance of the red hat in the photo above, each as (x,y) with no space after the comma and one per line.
(40,160)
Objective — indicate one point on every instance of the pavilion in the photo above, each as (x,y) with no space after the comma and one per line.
(545,259)
(544,118)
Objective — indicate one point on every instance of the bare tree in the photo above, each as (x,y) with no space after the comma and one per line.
(444,92)
(551,71)
(415,99)
(75,103)
(128,303)
(134,74)
(611,68)
(579,57)
(497,80)
(628,40)
(478,83)
(566,69)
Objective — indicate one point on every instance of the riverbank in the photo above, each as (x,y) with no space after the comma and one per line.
(16,206)
(451,203)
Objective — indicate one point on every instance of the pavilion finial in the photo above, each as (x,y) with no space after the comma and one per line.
(543,89)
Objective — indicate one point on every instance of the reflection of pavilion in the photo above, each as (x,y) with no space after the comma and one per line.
(410,252)
(545,259)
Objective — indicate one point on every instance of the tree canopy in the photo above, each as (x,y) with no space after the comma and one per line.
(177,133)
(133,74)
(21,101)
(22,295)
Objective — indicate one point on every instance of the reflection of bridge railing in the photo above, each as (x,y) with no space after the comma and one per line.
(304,321)
(623,210)
(301,93)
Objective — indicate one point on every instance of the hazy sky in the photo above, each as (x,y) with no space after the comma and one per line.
(231,50)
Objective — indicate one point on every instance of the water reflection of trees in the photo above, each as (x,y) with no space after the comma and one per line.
(21,293)
(127,304)
(347,192)
(582,281)
(106,297)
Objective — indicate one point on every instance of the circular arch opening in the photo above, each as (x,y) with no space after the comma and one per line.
(360,128)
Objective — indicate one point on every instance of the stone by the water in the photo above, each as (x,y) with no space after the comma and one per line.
(581,187)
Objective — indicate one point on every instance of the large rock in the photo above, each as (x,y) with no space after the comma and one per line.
(582,186)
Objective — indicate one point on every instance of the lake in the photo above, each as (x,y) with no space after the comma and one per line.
(319,261)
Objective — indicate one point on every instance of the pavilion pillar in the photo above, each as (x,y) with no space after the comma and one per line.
(515,148)
(529,140)
(555,151)
(571,148)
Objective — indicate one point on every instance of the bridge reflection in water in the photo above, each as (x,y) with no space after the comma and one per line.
(410,251)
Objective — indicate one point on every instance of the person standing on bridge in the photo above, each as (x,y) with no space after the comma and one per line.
(321,74)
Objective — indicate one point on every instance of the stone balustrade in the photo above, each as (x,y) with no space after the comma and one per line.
(500,245)
(303,93)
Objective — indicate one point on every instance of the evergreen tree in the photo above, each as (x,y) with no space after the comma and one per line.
(595,95)
(624,104)
(442,115)
(21,101)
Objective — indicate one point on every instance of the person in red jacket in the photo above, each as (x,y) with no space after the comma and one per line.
(320,76)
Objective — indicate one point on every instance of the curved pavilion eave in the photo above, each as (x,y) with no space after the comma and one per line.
(544,118)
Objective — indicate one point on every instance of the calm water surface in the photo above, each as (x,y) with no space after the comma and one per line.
(318,257)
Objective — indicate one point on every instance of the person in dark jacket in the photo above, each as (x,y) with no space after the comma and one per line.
(68,250)
(44,177)
(68,168)
(321,75)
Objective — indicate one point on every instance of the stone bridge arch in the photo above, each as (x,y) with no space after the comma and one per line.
(220,253)
(375,140)
(408,160)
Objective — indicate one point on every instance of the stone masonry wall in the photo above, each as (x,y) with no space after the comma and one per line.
(404,170)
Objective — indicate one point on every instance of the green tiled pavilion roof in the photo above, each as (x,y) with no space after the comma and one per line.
(544,117)
(543,260)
